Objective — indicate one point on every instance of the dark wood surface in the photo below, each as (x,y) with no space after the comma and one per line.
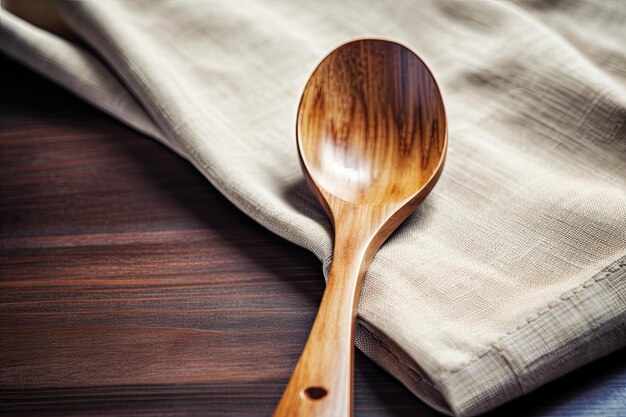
(129,285)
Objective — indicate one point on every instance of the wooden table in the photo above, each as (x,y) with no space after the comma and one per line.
(129,285)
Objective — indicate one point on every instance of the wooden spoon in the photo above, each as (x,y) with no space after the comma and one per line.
(372,139)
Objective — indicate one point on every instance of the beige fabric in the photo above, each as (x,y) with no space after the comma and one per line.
(497,284)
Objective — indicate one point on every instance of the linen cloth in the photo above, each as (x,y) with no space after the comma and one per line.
(512,272)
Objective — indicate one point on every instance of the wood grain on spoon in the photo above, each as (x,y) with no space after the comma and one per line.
(372,138)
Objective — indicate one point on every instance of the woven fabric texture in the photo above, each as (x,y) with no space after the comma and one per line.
(511,272)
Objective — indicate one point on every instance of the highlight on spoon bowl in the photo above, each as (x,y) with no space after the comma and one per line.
(372,137)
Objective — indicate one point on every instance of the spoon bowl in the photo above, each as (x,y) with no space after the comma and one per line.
(372,140)
(371,123)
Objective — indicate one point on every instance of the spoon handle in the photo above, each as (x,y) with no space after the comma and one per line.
(321,384)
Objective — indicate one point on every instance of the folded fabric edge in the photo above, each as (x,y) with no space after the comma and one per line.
(32,46)
(389,356)
(583,325)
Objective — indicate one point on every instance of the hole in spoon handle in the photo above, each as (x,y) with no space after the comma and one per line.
(315,393)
